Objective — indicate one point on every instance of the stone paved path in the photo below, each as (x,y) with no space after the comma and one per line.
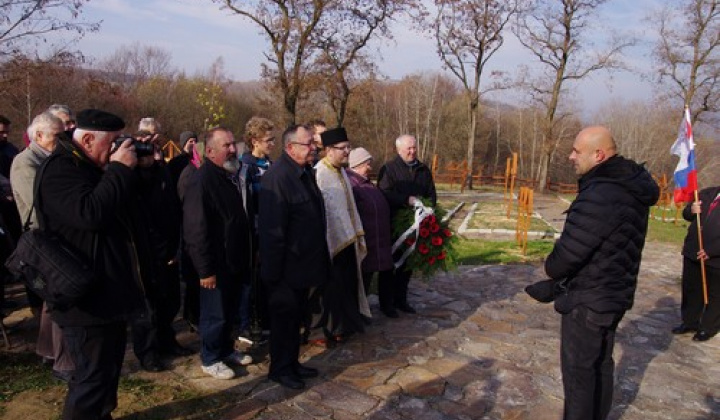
(480,348)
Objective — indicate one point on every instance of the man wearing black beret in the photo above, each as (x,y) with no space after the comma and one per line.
(87,196)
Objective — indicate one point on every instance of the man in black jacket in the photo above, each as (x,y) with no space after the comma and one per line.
(293,249)
(404,181)
(697,317)
(87,197)
(218,237)
(596,263)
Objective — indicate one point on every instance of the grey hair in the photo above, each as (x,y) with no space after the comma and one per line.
(149,124)
(402,137)
(44,122)
(56,109)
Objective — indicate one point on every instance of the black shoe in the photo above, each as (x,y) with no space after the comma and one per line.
(176,349)
(684,329)
(390,312)
(288,381)
(151,363)
(406,308)
(306,372)
(703,336)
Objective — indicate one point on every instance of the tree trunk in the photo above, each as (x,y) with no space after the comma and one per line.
(474,107)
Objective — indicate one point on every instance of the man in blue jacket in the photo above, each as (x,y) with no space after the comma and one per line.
(596,263)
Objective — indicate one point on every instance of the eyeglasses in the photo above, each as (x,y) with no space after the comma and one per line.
(268,140)
(311,144)
(343,148)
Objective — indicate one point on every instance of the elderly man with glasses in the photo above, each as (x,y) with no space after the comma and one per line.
(294,251)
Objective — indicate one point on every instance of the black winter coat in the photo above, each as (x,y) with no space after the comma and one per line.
(710,229)
(291,225)
(398,181)
(601,245)
(216,228)
(81,202)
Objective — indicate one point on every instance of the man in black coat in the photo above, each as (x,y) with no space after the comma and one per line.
(404,181)
(703,320)
(152,331)
(596,263)
(217,231)
(293,249)
(88,197)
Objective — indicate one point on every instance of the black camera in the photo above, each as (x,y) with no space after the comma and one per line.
(141,149)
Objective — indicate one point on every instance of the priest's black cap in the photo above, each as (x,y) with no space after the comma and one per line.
(334,136)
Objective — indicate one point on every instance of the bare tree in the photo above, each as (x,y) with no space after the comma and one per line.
(290,26)
(553,33)
(134,64)
(467,34)
(342,37)
(24,23)
(687,54)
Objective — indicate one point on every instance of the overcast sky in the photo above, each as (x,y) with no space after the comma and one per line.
(196,32)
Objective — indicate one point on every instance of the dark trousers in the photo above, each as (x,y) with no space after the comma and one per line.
(400,285)
(287,309)
(340,300)
(191,302)
(152,332)
(97,353)
(693,310)
(218,308)
(385,287)
(587,364)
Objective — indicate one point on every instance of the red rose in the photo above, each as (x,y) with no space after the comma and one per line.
(423,249)
(424,233)
(434,227)
(410,241)
(447,233)
(441,256)
(431,219)
(437,241)
(424,222)
(431,260)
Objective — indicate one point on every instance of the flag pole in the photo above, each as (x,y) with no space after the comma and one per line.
(702,261)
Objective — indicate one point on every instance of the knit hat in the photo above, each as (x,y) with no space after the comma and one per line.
(358,155)
(97,120)
(185,136)
(334,136)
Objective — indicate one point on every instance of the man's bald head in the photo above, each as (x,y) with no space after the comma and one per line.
(593,146)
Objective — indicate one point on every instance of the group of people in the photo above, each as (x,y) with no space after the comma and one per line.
(293,244)
(288,245)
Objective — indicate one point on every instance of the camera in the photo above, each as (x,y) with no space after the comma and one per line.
(141,149)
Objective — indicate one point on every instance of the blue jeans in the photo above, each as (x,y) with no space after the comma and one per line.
(587,364)
(218,308)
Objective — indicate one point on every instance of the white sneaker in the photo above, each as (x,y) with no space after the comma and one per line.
(219,370)
(239,358)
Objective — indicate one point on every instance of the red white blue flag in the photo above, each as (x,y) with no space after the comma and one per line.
(685,172)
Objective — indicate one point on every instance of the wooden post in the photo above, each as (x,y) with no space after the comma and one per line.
(511,173)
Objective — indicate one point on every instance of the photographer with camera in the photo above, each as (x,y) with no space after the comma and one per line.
(88,197)
(152,331)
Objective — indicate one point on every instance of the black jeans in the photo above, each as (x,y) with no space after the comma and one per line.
(97,352)
(587,364)
(287,311)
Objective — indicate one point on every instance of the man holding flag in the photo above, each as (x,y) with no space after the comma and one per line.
(700,306)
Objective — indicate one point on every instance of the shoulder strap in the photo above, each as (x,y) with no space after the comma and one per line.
(36,194)
(36,204)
